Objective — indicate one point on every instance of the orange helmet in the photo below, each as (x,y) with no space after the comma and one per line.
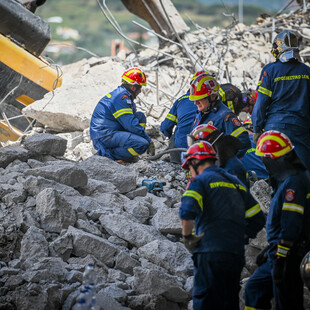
(200,150)
(247,124)
(134,76)
(273,144)
(203,86)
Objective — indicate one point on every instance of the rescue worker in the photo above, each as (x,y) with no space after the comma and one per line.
(237,101)
(284,96)
(181,116)
(288,228)
(250,160)
(204,91)
(214,201)
(116,128)
(226,148)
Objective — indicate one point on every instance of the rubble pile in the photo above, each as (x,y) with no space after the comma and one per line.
(236,54)
(63,207)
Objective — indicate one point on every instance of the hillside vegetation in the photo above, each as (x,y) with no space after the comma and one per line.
(96,33)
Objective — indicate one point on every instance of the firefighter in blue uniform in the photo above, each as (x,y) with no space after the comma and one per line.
(117,129)
(214,201)
(288,228)
(204,91)
(181,116)
(250,160)
(237,101)
(283,99)
(226,147)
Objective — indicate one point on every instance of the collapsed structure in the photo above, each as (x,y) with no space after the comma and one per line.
(63,207)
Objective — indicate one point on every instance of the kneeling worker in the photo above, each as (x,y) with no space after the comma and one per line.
(116,128)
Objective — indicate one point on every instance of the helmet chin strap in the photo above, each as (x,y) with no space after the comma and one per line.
(212,102)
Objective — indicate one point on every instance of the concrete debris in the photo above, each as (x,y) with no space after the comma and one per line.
(63,207)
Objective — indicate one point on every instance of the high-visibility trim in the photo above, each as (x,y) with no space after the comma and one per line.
(33,68)
(172,117)
(183,97)
(251,308)
(291,77)
(259,83)
(226,184)
(252,211)
(308,196)
(109,95)
(238,132)
(143,125)
(132,152)
(7,133)
(277,139)
(293,207)
(231,105)
(265,91)
(222,94)
(196,196)
(250,150)
(122,112)
(282,250)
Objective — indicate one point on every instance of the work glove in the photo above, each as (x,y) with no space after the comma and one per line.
(279,267)
(191,241)
(256,136)
(262,257)
(151,149)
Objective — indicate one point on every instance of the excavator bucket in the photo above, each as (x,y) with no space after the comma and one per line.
(24,76)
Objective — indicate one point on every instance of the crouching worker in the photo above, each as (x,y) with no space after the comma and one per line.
(116,128)
(214,201)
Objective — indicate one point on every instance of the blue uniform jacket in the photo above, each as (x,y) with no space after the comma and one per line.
(254,217)
(217,207)
(254,162)
(289,213)
(283,97)
(181,115)
(115,112)
(226,121)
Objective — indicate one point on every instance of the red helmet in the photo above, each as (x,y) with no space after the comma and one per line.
(273,144)
(199,150)
(200,132)
(134,76)
(198,73)
(203,86)
(247,124)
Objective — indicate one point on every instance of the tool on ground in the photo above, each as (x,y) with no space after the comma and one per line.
(154,186)
(159,155)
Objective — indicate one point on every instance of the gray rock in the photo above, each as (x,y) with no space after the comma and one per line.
(116,293)
(46,144)
(55,213)
(172,256)
(68,174)
(62,247)
(157,283)
(167,221)
(126,263)
(85,243)
(10,153)
(104,169)
(34,185)
(46,269)
(33,247)
(134,233)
